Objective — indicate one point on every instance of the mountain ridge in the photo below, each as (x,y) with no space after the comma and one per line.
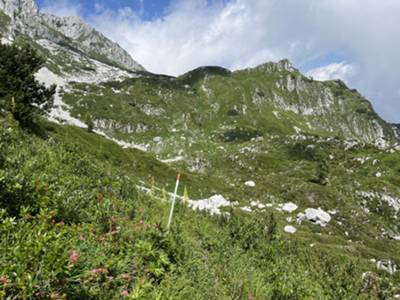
(68,43)
(26,19)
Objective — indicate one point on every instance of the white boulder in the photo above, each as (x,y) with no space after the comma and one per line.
(250,183)
(212,204)
(289,207)
(387,265)
(317,216)
(290,229)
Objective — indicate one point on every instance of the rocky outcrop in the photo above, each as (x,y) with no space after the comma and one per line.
(19,9)
(282,65)
(26,19)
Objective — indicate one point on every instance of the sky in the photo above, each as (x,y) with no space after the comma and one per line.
(357,41)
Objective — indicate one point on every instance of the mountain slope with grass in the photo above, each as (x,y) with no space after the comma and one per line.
(82,226)
(289,190)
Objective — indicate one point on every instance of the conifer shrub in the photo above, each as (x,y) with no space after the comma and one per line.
(20,92)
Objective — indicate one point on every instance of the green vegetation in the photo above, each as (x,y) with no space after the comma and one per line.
(73,225)
(89,123)
(4,22)
(20,93)
(83,218)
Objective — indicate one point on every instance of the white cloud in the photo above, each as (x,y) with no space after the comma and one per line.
(341,71)
(244,33)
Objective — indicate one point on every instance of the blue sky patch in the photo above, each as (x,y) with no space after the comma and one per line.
(146,9)
(321,61)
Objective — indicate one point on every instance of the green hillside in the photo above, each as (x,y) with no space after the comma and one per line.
(275,98)
(74,225)
(290,187)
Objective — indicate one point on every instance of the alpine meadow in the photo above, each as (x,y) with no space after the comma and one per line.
(289,187)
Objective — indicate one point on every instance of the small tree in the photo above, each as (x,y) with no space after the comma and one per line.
(20,92)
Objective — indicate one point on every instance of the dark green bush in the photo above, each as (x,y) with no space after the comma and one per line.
(20,93)
(240,134)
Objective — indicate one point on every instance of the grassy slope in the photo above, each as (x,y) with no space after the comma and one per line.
(89,184)
(277,163)
(209,99)
(202,133)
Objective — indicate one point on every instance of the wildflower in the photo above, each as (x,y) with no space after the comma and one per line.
(4,280)
(81,238)
(125,293)
(99,271)
(73,256)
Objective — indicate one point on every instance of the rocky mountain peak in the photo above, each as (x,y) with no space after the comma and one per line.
(21,9)
(282,65)
(27,20)
(71,26)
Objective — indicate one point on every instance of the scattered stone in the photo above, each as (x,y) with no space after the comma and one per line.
(387,265)
(289,207)
(257,204)
(250,183)
(290,229)
(363,160)
(157,139)
(172,160)
(317,216)
(212,204)
(246,209)
(390,200)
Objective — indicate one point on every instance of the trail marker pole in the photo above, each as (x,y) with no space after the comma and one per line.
(171,212)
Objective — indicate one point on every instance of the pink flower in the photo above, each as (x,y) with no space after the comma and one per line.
(125,293)
(81,238)
(4,280)
(99,271)
(73,256)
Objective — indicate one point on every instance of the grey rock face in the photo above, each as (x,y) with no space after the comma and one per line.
(282,65)
(19,8)
(71,31)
